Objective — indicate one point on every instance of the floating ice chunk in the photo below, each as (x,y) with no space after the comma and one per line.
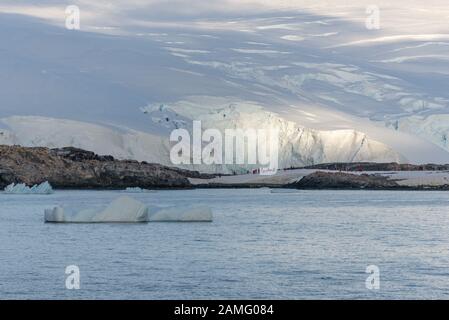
(126,209)
(138,190)
(54,215)
(43,188)
(123,209)
(22,188)
(178,214)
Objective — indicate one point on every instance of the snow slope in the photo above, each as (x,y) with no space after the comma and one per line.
(298,146)
(338,91)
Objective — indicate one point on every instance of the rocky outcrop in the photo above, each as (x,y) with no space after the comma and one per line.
(76,154)
(340,180)
(373,166)
(76,168)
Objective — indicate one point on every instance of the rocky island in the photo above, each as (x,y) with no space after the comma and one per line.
(368,176)
(343,180)
(72,168)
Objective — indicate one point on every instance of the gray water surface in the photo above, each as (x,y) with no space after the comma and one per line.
(312,244)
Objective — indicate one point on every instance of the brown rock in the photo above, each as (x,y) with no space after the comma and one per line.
(340,180)
(76,168)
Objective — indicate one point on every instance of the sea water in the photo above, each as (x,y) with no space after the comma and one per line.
(261,245)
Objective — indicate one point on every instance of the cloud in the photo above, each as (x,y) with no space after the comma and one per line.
(123,13)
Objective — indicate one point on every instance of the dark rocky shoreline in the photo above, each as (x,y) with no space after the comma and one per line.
(323,180)
(341,180)
(374,166)
(72,168)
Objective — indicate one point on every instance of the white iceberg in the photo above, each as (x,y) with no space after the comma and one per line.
(177,214)
(126,209)
(138,190)
(123,209)
(22,188)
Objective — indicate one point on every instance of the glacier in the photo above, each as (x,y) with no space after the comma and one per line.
(298,145)
(22,188)
(338,91)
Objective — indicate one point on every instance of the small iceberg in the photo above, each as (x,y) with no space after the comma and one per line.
(22,188)
(123,209)
(176,214)
(126,209)
(138,190)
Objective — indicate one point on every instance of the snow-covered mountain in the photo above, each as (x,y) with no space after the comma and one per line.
(298,145)
(336,90)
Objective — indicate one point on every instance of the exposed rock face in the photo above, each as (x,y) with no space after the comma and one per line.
(340,180)
(76,168)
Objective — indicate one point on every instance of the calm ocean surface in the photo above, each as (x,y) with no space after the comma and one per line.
(312,244)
